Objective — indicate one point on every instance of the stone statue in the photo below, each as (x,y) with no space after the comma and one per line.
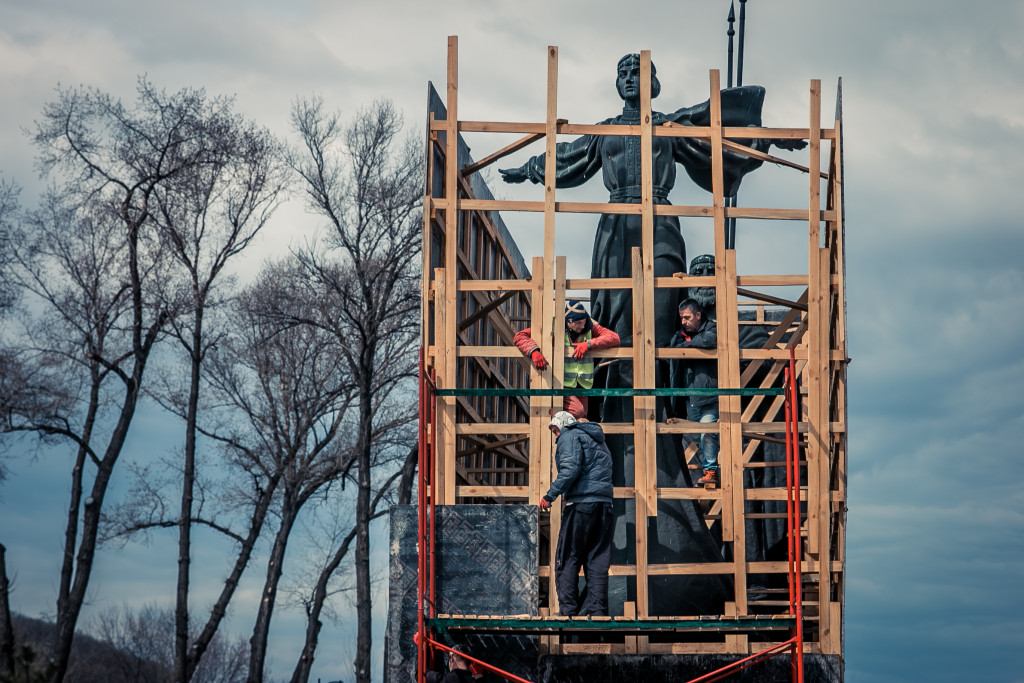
(618,159)
(679,533)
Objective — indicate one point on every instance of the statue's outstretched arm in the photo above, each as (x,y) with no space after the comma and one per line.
(575,163)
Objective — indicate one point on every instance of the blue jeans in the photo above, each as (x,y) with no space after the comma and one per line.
(709,441)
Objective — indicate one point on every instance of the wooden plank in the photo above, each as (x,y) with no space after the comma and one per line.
(641,485)
(538,423)
(451,185)
(552,345)
(495,285)
(623,129)
(817,366)
(646,338)
(426,243)
(629,612)
(501,153)
(484,205)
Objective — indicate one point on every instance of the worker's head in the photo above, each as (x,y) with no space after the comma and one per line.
(560,421)
(576,317)
(455,660)
(691,315)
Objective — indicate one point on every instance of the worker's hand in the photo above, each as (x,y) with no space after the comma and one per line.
(580,350)
(538,359)
(416,637)
(545,504)
(476,669)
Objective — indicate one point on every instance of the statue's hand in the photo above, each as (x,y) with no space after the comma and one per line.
(789,144)
(513,175)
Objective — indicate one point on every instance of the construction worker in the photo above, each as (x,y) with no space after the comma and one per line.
(582,334)
(585,539)
(460,669)
(698,331)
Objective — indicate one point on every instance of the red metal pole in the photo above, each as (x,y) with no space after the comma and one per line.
(421,528)
(493,669)
(739,665)
(432,519)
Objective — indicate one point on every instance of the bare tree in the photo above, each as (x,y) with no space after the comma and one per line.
(292,385)
(206,218)
(143,639)
(95,267)
(367,184)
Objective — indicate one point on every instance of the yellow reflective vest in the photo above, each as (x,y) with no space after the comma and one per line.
(578,372)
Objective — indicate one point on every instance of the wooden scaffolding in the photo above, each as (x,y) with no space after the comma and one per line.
(497,449)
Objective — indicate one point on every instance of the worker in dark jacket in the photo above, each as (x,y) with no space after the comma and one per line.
(698,331)
(460,669)
(585,539)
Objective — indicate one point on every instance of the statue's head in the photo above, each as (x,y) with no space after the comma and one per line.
(627,79)
(702,266)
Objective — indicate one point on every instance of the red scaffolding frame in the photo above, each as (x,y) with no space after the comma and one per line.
(426,584)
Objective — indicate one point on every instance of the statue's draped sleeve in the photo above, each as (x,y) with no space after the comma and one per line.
(740,107)
(576,162)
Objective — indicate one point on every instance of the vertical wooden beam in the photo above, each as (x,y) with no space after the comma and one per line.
(446,432)
(730,432)
(818,504)
(451,269)
(538,412)
(640,470)
(629,612)
(643,368)
(557,381)
(425,241)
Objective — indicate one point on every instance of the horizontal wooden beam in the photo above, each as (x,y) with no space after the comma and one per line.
(565,128)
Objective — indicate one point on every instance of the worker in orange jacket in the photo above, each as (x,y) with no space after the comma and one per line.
(582,335)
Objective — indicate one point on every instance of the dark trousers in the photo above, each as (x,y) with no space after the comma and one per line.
(584,540)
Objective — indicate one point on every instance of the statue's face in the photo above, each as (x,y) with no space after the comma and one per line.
(704,295)
(627,82)
(702,268)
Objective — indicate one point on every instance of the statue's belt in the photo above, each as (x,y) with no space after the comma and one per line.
(631,194)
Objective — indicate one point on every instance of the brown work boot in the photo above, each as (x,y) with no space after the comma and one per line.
(710,477)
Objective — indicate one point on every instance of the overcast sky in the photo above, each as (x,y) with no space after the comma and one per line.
(934,126)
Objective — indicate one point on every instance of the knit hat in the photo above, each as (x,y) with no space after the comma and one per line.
(574,311)
(561,419)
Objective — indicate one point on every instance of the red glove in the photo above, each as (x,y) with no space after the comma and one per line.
(545,504)
(476,669)
(538,359)
(581,348)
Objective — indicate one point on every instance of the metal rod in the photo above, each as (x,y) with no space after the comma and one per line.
(739,60)
(731,32)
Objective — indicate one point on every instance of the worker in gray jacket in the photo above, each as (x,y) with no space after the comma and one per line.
(585,539)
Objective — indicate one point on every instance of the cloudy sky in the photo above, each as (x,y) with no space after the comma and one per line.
(934,131)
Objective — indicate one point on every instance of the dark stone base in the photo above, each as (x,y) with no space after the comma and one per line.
(486,563)
(679,668)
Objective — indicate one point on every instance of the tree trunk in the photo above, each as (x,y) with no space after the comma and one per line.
(363,598)
(187,491)
(220,608)
(313,624)
(6,628)
(275,566)
(67,613)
